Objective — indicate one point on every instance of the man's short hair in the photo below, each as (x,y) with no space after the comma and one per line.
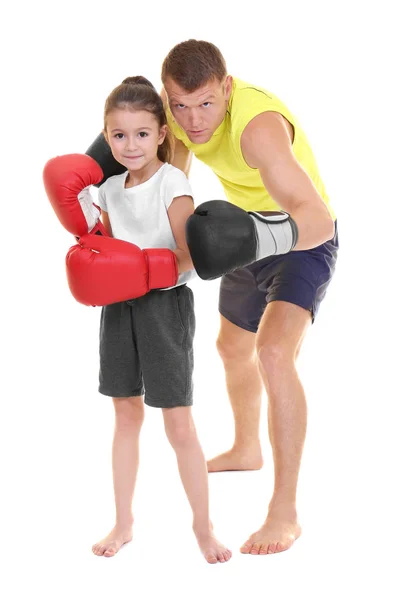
(193,63)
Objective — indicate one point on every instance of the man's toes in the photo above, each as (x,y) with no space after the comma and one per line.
(264,548)
(272,548)
(246,548)
(109,551)
(280,546)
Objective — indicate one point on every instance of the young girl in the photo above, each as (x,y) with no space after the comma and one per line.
(146,343)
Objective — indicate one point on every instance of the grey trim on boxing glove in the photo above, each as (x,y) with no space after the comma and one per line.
(276,233)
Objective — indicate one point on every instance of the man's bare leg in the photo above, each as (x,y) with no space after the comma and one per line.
(236,346)
(129,416)
(279,338)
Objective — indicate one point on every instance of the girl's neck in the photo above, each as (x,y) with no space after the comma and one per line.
(142,175)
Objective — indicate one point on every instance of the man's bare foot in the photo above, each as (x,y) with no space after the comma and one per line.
(237,460)
(110,545)
(211,548)
(278,533)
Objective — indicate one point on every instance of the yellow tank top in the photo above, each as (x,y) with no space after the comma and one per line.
(243,185)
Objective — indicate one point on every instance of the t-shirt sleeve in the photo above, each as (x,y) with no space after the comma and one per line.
(176,184)
(102,202)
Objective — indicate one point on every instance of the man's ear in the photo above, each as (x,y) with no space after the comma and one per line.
(228,87)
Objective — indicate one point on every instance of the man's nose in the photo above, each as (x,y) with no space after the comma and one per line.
(195,118)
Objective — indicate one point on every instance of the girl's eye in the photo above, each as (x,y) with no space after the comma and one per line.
(143,134)
(119,136)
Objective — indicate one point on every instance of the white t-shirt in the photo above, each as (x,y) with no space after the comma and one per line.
(139,214)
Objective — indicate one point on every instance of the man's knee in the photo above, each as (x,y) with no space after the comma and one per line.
(281,333)
(231,350)
(275,356)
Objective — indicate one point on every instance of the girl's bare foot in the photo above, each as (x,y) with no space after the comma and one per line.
(110,545)
(211,548)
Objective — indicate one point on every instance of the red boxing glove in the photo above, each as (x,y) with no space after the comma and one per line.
(67,179)
(104,270)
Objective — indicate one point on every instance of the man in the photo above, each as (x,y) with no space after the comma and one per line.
(260,154)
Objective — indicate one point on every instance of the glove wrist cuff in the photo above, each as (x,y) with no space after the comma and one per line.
(162,267)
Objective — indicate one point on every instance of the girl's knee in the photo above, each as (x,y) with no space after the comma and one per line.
(181,436)
(180,431)
(129,411)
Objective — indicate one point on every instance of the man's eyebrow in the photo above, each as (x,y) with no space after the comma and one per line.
(211,96)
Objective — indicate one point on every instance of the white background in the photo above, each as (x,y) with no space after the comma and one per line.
(337,66)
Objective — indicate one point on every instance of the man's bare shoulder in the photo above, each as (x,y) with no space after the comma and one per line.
(268,132)
(268,123)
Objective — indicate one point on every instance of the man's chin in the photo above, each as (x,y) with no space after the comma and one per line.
(202,138)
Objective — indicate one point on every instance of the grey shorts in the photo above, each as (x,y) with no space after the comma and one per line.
(146,347)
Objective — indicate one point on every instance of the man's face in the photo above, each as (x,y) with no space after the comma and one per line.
(200,112)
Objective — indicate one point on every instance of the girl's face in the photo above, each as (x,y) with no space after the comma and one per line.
(134,137)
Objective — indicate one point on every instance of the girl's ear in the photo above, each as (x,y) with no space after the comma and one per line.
(105,136)
(162,134)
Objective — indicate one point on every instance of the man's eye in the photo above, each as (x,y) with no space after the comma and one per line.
(119,136)
(206,104)
(179,105)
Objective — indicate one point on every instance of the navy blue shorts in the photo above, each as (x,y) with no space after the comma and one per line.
(300,277)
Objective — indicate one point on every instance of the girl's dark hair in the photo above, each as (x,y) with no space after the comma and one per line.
(138,93)
(193,63)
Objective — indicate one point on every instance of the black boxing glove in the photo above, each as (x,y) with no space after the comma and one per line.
(101,152)
(223,237)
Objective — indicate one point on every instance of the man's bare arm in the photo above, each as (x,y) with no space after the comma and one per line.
(181,157)
(266,146)
(179,211)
